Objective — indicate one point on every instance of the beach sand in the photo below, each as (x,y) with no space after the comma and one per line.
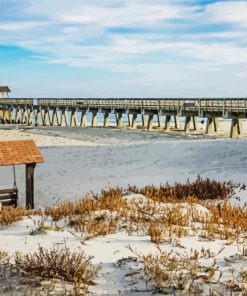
(103,157)
(43,138)
(108,251)
(84,160)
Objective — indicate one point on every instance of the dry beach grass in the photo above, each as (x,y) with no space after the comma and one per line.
(168,215)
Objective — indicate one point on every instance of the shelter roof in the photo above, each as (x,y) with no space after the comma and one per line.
(19,152)
(4,89)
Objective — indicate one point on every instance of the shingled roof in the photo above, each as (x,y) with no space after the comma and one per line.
(19,152)
(4,89)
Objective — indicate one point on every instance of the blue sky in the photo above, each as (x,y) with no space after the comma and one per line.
(124,48)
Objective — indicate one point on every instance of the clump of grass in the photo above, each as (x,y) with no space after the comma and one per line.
(9,215)
(155,233)
(3,256)
(202,189)
(123,261)
(74,267)
(170,272)
(40,230)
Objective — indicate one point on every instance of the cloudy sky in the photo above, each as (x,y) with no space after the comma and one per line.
(124,48)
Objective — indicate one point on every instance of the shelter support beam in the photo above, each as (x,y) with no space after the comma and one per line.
(30,185)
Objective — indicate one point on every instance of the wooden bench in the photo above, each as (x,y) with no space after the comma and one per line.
(9,197)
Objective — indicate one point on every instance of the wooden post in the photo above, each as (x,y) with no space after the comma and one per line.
(30,185)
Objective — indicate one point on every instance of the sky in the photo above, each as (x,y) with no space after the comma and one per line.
(124,48)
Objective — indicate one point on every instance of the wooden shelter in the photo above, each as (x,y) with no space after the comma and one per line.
(4,90)
(17,153)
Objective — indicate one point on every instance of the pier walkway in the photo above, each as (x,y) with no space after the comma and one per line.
(72,112)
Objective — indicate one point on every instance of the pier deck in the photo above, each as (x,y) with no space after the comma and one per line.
(53,111)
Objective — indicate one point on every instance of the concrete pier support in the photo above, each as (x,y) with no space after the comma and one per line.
(150,122)
(195,122)
(216,124)
(119,120)
(168,123)
(83,120)
(1,116)
(50,117)
(73,119)
(159,121)
(106,119)
(94,119)
(64,115)
(236,128)
(55,117)
(212,125)
(36,117)
(177,122)
(129,119)
(4,116)
(7,116)
(17,116)
(144,120)
(44,117)
(187,124)
(134,118)
(29,116)
(12,116)
(24,116)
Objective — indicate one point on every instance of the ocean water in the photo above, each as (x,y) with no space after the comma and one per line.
(125,157)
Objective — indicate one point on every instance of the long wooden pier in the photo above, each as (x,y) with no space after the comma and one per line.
(72,112)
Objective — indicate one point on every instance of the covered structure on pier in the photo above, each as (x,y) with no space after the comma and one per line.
(4,91)
(18,153)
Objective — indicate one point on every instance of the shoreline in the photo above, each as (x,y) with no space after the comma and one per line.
(50,139)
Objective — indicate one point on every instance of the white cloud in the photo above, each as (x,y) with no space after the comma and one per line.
(174,41)
(234,12)
(20,26)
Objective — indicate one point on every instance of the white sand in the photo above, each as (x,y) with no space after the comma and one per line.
(42,140)
(109,249)
(7,133)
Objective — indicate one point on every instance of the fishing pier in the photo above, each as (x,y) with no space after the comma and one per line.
(72,112)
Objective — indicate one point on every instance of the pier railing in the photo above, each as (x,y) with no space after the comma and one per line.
(210,105)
